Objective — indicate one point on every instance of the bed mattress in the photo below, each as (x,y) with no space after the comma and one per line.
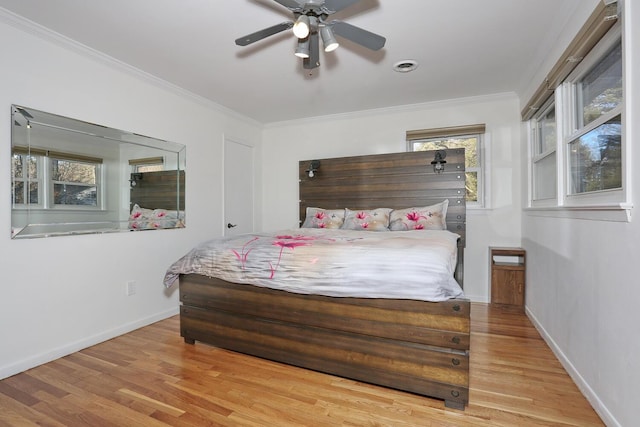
(417,264)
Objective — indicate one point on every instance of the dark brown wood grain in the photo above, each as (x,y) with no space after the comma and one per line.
(416,346)
(160,190)
(397,180)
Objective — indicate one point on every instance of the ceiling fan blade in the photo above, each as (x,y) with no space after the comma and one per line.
(259,35)
(290,4)
(313,61)
(338,5)
(358,35)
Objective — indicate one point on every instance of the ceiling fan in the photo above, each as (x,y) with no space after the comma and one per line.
(311,25)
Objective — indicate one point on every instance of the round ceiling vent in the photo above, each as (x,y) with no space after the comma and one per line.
(405,66)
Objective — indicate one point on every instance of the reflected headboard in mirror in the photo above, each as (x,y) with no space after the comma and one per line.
(73,177)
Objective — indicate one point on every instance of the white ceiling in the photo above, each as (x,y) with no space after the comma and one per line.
(463,47)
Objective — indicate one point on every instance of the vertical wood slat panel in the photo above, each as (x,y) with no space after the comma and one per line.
(396,180)
(160,190)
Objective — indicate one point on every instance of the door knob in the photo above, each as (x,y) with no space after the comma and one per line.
(229,225)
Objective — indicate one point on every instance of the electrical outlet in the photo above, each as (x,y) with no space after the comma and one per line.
(131,288)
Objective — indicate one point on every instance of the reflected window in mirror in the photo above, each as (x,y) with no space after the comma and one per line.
(73,177)
(151,164)
(25,179)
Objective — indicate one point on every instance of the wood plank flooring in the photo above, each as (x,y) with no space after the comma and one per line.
(149,377)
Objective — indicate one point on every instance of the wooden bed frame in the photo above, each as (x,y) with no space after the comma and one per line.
(415,346)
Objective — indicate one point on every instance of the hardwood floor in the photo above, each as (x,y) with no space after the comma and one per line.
(149,377)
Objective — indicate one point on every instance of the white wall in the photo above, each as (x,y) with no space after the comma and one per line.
(64,293)
(583,276)
(383,131)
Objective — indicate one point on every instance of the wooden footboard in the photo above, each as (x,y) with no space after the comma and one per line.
(415,346)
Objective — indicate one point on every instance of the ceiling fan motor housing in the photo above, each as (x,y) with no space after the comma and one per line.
(309,32)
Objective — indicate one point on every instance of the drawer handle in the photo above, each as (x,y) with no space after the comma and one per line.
(455,340)
(455,361)
(455,393)
(456,307)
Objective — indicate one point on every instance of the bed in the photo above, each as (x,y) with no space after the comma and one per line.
(399,341)
(157,200)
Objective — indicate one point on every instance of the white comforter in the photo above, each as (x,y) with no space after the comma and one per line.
(339,263)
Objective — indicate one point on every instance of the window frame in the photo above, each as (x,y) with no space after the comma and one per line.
(147,164)
(25,180)
(572,129)
(51,183)
(609,204)
(535,157)
(477,131)
(46,183)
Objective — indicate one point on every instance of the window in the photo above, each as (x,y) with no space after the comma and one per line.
(150,164)
(595,147)
(577,142)
(74,182)
(544,137)
(25,184)
(468,137)
(48,180)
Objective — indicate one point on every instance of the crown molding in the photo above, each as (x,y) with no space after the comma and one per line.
(398,109)
(65,42)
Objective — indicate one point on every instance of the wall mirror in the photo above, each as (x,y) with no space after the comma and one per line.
(73,177)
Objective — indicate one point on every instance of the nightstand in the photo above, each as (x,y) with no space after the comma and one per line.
(507,274)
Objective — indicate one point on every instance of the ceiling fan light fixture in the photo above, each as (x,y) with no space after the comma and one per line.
(328,39)
(310,21)
(301,28)
(302,50)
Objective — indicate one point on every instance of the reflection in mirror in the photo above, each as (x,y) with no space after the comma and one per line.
(74,177)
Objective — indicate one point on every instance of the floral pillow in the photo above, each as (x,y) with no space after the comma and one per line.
(368,220)
(145,219)
(323,218)
(161,218)
(139,218)
(426,218)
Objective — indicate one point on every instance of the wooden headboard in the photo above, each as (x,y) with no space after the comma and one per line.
(398,180)
(159,190)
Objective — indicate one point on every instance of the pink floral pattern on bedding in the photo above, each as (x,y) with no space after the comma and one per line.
(367,220)
(284,241)
(290,242)
(408,264)
(323,218)
(420,218)
(147,219)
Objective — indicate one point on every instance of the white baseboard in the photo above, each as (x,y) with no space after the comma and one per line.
(56,353)
(583,386)
(478,298)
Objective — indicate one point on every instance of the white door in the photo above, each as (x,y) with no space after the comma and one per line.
(238,188)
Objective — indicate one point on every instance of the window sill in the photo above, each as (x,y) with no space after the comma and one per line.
(78,209)
(616,213)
